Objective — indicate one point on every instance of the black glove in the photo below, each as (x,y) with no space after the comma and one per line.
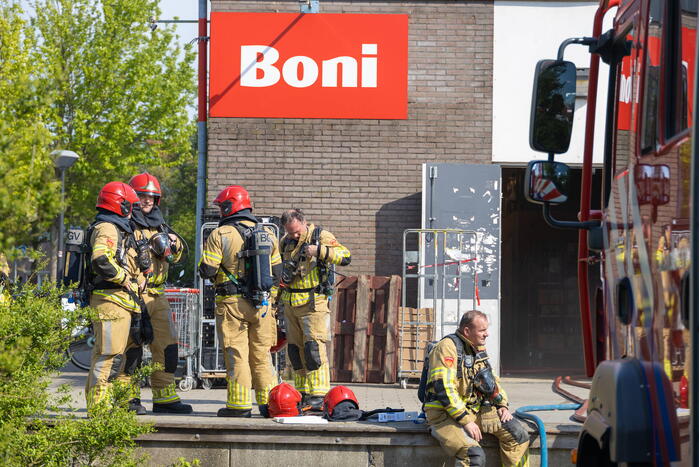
(141,327)
(136,329)
(146,328)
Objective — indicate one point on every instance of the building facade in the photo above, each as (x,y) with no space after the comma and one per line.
(470,70)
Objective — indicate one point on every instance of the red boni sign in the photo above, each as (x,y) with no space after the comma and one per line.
(285,65)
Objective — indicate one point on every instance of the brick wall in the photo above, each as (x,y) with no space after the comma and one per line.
(361,179)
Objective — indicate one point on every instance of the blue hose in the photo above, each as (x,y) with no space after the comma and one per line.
(522,412)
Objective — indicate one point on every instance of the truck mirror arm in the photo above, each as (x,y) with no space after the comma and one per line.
(577,225)
(589,41)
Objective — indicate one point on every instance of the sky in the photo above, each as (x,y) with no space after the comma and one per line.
(184,10)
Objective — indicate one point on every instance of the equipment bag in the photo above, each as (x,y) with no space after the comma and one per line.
(422,387)
(74,252)
(257,252)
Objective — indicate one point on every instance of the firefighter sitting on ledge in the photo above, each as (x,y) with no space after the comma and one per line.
(464,399)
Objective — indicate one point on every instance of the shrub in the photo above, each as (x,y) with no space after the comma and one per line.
(38,425)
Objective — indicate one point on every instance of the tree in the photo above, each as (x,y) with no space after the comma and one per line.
(120,92)
(29,192)
(178,205)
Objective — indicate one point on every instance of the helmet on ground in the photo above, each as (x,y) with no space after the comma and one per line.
(284,401)
(117,197)
(337,395)
(146,184)
(232,199)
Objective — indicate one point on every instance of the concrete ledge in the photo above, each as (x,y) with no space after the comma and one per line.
(260,442)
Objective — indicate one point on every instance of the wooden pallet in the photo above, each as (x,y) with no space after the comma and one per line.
(365,329)
(416,330)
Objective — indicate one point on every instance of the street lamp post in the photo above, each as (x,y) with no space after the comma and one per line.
(62,160)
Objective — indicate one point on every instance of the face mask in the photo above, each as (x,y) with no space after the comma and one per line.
(161,246)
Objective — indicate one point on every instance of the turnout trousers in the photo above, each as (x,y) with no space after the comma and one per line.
(247,333)
(163,348)
(308,329)
(108,355)
(513,439)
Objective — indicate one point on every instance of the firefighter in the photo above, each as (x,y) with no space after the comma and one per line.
(4,280)
(465,400)
(157,247)
(246,326)
(309,253)
(114,281)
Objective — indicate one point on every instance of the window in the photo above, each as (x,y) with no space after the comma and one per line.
(681,53)
(651,92)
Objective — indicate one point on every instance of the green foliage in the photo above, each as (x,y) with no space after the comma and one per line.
(88,76)
(37,425)
(29,192)
(182,462)
(120,92)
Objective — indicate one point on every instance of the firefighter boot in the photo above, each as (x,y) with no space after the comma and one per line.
(172,407)
(241,413)
(264,410)
(136,406)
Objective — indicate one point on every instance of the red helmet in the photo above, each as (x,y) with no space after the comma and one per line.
(146,184)
(117,197)
(284,401)
(232,199)
(335,396)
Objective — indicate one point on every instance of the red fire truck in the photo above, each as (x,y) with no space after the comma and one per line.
(638,325)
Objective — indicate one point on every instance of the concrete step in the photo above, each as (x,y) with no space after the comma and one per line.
(261,442)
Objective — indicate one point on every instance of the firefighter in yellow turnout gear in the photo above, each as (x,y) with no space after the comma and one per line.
(157,247)
(245,320)
(464,399)
(114,279)
(308,253)
(4,279)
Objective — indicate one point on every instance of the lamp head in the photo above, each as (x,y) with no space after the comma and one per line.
(63,159)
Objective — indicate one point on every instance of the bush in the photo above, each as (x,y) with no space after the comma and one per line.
(36,428)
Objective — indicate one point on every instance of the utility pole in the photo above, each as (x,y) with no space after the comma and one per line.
(201,127)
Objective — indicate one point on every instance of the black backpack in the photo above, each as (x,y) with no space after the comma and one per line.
(422,388)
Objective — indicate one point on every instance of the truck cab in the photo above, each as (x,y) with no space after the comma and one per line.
(636,336)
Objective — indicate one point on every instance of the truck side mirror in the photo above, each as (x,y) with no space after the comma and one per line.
(553,104)
(547,182)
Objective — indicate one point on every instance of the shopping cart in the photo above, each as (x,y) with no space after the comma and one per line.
(184,306)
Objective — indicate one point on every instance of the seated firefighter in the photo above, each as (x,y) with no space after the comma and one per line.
(464,399)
